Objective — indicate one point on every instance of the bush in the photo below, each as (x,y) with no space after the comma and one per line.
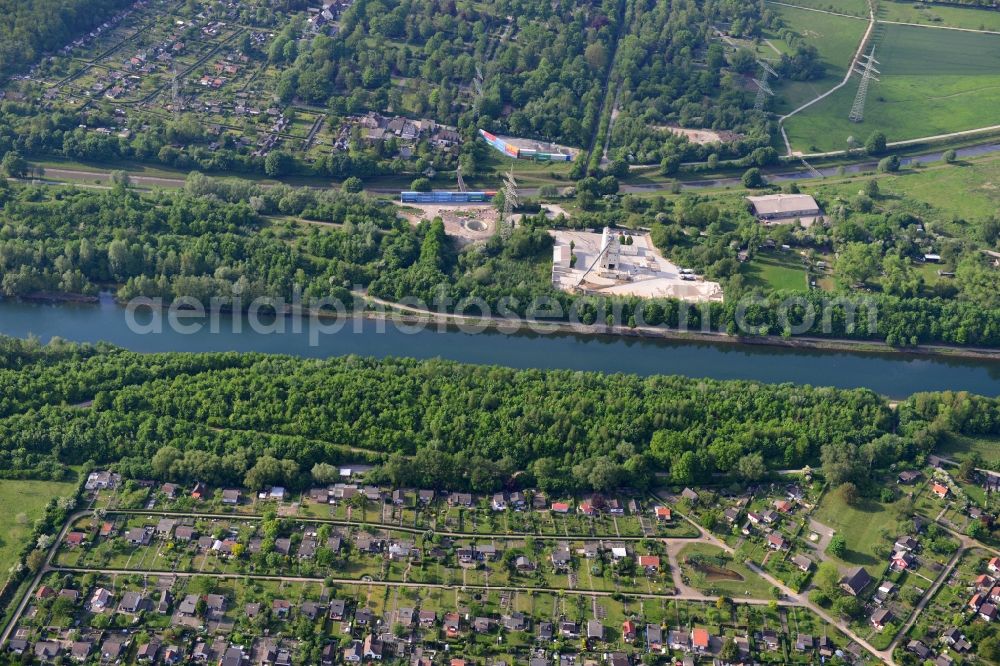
(421,185)
(353,185)
(753,179)
(889,164)
(876,143)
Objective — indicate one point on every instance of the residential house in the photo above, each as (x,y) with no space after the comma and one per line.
(908,476)
(372,648)
(133,602)
(628,631)
(516,621)
(804,643)
(880,618)
(354,652)
(662,513)
(281,608)
(919,649)
(165,527)
(139,536)
(100,600)
(231,496)
(654,637)
(776,542)
(147,652)
(940,490)
(80,650)
(700,639)
(338,610)
(679,640)
(595,630)
(650,563)
(452,624)
(802,562)
(561,558)
(856,581)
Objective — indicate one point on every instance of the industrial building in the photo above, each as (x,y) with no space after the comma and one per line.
(786,208)
(622,262)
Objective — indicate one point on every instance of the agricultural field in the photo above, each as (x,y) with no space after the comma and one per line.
(24,503)
(853,7)
(835,37)
(932,82)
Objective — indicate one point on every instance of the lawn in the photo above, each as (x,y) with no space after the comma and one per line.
(835,37)
(24,502)
(932,82)
(971,18)
(776,271)
(861,527)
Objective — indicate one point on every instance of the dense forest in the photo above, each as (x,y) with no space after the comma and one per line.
(217,416)
(258,419)
(30,28)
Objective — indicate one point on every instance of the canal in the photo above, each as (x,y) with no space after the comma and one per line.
(893,375)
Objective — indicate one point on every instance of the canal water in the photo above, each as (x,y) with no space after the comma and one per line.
(893,375)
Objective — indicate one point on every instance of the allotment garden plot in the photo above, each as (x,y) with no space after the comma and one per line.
(933,81)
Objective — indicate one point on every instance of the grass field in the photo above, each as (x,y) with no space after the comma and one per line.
(23,503)
(970,18)
(930,193)
(835,37)
(861,527)
(932,82)
(959,447)
(776,271)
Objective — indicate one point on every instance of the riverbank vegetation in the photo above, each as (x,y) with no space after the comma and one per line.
(222,238)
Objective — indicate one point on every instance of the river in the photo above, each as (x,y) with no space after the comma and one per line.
(893,375)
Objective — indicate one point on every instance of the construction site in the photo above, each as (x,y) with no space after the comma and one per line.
(623,263)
